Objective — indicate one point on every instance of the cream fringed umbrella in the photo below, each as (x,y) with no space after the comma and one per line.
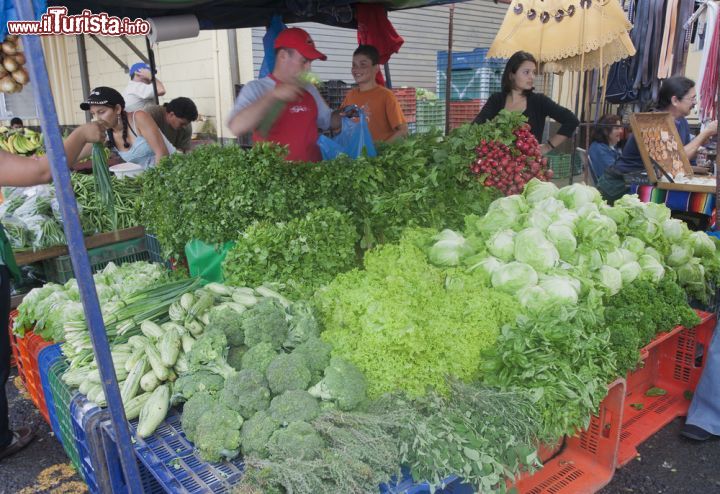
(566,35)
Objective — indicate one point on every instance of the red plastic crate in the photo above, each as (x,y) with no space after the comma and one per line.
(15,357)
(587,461)
(408,102)
(673,362)
(29,347)
(462,112)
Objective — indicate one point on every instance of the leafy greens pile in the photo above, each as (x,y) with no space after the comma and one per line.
(408,325)
(302,254)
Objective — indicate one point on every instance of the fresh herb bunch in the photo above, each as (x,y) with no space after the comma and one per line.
(215,192)
(103,184)
(485,435)
(362,451)
(641,310)
(563,358)
(303,253)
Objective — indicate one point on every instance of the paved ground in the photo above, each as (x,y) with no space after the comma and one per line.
(42,467)
(668,464)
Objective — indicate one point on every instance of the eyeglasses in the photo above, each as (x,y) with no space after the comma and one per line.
(693,99)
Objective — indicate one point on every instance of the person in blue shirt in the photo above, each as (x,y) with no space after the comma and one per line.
(677,97)
(603,151)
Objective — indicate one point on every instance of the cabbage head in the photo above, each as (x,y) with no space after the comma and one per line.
(449,249)
(703,244)
(679,254)
(537,190)
(502,245)
(513,276)
(651,268)
(563,239)
(531,247)
(577,195)
(634,245)
(610,278)
(629,272)
(674,230)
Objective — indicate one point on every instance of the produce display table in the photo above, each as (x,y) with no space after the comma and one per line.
(99,240)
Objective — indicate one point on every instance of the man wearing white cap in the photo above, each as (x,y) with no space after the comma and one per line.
(304,109)
(139,91)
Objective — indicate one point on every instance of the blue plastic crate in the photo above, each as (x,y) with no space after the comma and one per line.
(87,418)
(173,461)
(462,59)
(453,485)
(47,357)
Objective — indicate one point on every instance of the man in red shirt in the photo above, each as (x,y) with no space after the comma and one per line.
(304,109)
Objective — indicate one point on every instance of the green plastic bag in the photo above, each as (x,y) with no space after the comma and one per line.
(205,260)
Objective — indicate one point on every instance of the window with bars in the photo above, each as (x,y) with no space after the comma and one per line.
(20,104)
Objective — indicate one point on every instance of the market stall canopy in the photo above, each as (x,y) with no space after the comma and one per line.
(559,33)
(229,14)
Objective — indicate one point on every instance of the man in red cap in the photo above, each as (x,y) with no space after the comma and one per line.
(304,110)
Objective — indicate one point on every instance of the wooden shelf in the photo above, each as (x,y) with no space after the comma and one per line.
(91,242)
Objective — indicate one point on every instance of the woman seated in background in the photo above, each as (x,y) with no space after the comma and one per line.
(677,97)
(517,95)
(603,150)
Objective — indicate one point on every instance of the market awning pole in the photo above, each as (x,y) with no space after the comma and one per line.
(448,70)
(84,77)
(151,56)
(76,246)
(717,117)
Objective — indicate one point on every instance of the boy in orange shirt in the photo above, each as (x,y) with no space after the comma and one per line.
(385,118)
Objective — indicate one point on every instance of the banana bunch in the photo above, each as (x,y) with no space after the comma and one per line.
(24,141)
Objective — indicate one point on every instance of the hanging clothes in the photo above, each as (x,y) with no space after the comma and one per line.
(682,36)
(374,28)
(668,41)
(708,77)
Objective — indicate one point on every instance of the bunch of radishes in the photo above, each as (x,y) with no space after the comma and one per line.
(509,168)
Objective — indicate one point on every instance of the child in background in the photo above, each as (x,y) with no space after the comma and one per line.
(385,118)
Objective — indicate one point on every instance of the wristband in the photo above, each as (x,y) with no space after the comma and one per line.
(551,145)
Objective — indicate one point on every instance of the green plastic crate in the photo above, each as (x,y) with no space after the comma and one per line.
(560,164)
(59,269)
(62,396)
(429,115)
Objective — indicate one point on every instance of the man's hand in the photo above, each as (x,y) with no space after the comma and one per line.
(146,75)
(711,128)
(287,92)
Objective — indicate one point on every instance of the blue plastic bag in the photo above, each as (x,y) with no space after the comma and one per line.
(354,139)
(268,63)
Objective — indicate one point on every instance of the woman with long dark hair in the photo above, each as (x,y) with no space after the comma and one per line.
(603,151)
(677,97)
(518,95)
(134,135)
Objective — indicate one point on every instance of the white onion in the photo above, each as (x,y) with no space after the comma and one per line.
(10,64)
(9,48)
(21,76)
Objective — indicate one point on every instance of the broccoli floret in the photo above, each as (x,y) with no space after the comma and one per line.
(256,433)
(229,322)
(259,357)
(303,325)
(217,435)
(287,371)
(266,322)
(298,440)
(185,387)
(294,406)
(193,409)
(208,353)
(235,355)
(343,383)
(246,392)
(316,354)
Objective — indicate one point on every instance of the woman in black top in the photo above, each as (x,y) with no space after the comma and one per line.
(517,95)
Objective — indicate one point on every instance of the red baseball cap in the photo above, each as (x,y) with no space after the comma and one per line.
(298,39)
